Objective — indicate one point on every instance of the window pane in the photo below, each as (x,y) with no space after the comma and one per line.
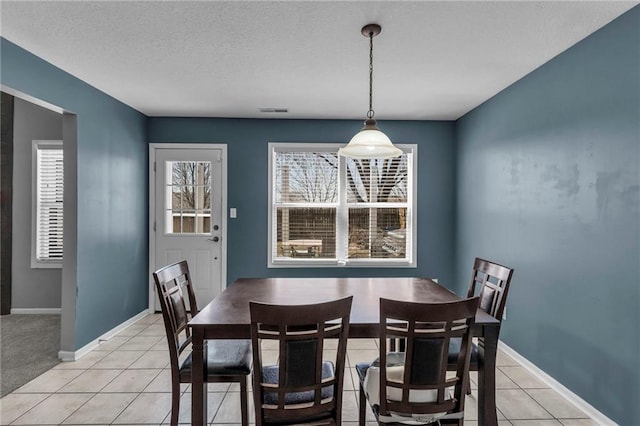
(306,232)
(377,180)
(204,173)
(377,233)
(176,197)
(202,221)
(177,223)
(183,172)
(203,201)
(206,223)
(188,223)
(187,193)
(306,177)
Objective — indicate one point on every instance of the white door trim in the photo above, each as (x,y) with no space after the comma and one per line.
(152,202)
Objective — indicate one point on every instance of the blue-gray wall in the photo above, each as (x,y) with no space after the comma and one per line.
(549,184)
(247,141)
(112,198)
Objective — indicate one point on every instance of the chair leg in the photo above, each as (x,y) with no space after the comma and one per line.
(243,401)
(362,407)
(175,402)
(468,384)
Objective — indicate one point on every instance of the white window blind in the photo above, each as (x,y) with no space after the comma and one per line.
(328,210)
(49,203)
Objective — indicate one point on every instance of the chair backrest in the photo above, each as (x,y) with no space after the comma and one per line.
(493,280)
(306,384)
(421,387)
(171,283)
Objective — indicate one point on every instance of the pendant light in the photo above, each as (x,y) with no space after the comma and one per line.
(370,142)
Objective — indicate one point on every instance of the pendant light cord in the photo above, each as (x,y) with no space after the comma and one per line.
(370,113)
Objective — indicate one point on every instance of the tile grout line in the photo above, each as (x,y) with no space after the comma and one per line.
(526,393)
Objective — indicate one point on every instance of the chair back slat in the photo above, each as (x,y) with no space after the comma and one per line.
(427,330)
(307,388)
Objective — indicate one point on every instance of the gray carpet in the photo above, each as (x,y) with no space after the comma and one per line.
(29,346)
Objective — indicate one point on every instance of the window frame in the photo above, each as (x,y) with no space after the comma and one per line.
(36,146)
(342,209)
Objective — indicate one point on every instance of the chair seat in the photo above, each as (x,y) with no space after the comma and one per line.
(270,375)
(224,358)
(393,359)
(369,384)
(454,349)
(369,375)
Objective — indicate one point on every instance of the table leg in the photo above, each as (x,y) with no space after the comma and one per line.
(198,385)
(487,352)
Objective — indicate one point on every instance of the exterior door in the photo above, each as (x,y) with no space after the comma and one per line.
(188,213)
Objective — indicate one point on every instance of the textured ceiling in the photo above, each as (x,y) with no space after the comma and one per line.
(433,60)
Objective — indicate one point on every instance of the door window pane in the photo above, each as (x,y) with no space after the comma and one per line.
(188,206)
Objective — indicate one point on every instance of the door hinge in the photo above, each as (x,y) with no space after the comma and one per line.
(154,227)
(154,166)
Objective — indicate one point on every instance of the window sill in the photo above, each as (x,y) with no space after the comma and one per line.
(45,265)
(332,263)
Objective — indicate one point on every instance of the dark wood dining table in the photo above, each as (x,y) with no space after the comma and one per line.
(227,317)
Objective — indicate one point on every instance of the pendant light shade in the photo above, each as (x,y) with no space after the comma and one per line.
(370,142)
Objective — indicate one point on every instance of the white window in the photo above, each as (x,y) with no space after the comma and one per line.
(328,210)
(47,204)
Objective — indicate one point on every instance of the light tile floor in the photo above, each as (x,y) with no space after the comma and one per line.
(126,381)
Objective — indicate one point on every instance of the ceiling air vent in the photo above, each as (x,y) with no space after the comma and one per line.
(273,109)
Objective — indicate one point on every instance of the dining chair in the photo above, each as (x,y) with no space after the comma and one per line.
(491,281)
(226,360)
(413,386)
(302,381)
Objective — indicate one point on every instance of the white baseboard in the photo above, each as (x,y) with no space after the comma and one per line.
(35,311)
(574,399)
(76,355)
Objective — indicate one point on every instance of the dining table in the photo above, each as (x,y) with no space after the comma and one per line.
(227,317)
